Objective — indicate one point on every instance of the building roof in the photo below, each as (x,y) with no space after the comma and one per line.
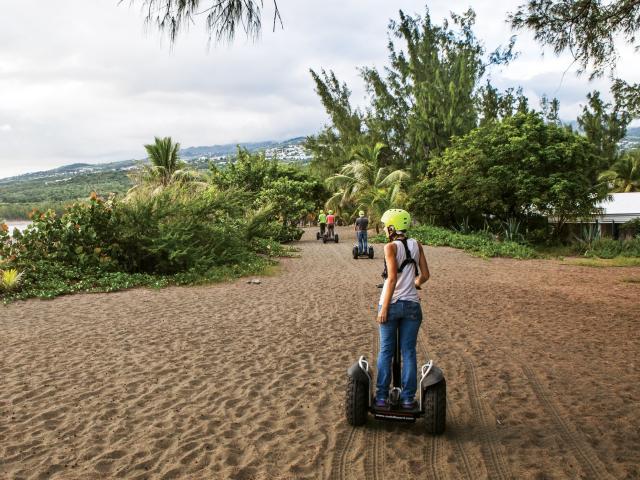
(621,204)
(620,207)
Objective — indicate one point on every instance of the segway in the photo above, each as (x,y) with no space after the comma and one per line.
(327,237)
(355,252)
(432,395)
(321,233)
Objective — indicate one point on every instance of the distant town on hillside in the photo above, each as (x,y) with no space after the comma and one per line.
(56,187)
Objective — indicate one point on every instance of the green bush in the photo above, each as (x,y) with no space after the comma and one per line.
(176,230)
(509,169)
(631,248)
(281,193)
(632,227)
(174,235)
(604,248)
(482,244)
(83,236)
(181,233)
(607,248)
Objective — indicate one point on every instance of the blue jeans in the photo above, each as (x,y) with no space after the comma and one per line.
(405,317)
(362,241)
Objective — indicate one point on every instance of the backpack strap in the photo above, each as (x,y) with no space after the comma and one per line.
(408,260)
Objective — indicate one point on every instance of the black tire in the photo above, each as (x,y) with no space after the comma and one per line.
(354,252)
(434,399)
(357,402)
(335,238)
(317,235)
(324,239)
(370,252)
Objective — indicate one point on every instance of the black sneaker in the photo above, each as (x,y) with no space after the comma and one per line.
(408,405)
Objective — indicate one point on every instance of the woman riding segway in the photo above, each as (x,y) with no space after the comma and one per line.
(399,318)
(399,307)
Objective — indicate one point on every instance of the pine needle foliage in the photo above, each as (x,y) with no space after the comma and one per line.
(223,18)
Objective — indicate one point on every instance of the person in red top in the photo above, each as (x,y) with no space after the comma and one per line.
(331,222)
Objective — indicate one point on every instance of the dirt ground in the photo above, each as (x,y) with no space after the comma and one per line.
(247,381)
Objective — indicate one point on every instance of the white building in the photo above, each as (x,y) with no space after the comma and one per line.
(621,208)
(617,210)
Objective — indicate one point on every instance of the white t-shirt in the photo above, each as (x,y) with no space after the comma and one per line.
(405,286)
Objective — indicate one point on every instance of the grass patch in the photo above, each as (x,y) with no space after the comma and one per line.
(601,253)
(70,281)
(555,251)
(604,262)
(478,244)
(631,280)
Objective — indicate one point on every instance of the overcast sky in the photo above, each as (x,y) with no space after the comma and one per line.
(85,81)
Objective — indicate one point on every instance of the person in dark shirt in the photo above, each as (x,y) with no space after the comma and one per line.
(362,224)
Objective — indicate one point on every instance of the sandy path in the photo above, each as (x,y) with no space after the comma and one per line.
(246,381)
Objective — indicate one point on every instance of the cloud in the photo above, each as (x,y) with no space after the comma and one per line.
(5,128)
(85,81)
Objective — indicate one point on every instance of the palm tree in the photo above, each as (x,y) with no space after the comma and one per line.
(363,185)
(624,176)
(166,167)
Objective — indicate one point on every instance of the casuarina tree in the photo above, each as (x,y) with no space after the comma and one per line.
(223,17)
(588,30)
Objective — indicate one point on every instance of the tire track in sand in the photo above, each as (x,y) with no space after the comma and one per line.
(583,454)
(433,448)
(497,467)
(346,440)
(432,452)
(339,469)
(460,451)
(374,461)
(588,461)
(494,459)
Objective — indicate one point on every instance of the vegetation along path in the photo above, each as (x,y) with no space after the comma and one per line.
(246,381)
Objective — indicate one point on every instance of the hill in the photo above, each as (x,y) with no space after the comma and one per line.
(632,139)
(56,187)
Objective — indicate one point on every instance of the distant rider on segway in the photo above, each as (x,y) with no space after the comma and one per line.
(399,307)
(331,221)
(361,226)
(322,221)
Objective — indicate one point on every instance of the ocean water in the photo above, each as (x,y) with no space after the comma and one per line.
(19,224)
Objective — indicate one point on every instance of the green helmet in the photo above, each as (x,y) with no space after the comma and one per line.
(361,213)
(396,218)
(321,211)
(330,212)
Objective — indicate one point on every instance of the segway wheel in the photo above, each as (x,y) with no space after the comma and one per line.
(324,239)
(317,235)
(357,402)
(354,252)
(335,238)
(434,399)
(370,252)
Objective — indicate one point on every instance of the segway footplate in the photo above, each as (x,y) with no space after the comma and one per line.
(396,414)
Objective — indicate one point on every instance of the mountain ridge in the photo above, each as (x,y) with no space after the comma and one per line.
(189,154)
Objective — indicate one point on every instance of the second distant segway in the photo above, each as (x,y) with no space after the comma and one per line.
(356,253)
(330,235)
